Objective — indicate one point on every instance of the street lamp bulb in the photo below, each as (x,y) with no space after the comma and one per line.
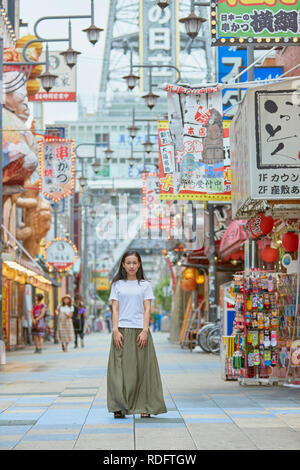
(108,153)
(192,24)
(131,161)
(131,80)
(148,146)
(133,130)
(96,166)
(70,57)
(163,3)
(93,33)
(150,99)
(83,181)
(48,80)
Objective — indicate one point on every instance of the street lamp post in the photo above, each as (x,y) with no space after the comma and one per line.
(131,79)
(55,297)
(193,22)
(96,165)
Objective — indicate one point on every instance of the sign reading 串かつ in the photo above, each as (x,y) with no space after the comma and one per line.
(60,254)
(255,21)
(56,167)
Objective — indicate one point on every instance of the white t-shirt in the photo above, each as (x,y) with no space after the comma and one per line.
(131,296)
(66,309)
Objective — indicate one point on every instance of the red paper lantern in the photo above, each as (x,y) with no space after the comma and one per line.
(237,255)
(269,255)
(290,241)
(259,226)
(188,285)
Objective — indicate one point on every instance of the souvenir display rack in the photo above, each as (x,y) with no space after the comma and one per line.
(265,330)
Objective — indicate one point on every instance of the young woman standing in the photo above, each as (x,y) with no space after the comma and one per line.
(65,325)
(133,377)
(38,323)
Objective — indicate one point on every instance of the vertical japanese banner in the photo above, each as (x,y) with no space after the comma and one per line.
(157,214)
(57,167)
(166,162)
(255,21)
(150,201)
(159,41)
(199,171)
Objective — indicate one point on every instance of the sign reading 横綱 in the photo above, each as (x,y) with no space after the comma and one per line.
(199,170)
(264,143)
(56,167)
(158,41)
(255,21)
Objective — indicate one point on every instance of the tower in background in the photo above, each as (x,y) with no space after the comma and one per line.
(154,37)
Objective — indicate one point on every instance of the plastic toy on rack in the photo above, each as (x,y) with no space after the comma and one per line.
(268,306)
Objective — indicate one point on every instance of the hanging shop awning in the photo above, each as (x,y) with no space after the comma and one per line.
(23,273)
(35,272)
(233,238)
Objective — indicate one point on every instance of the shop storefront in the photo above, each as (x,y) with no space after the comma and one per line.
(21,280)
(264,346)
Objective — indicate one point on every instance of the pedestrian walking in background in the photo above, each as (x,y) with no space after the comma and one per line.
(79,317)
(159,317)
(108,317)
(65,325)
(154,319)
(38,323)
(133,378)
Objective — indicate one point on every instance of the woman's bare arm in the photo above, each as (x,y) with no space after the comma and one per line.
(143,336)
(118,337)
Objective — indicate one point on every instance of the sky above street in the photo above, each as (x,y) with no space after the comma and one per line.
(90,60)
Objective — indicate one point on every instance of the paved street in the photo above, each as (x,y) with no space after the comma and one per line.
(57,400)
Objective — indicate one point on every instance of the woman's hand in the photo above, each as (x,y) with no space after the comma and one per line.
(118,339)
(142,339)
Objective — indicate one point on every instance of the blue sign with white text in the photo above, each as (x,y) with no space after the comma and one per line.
(231,61)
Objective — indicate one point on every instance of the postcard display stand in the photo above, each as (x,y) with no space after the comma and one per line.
(266,329)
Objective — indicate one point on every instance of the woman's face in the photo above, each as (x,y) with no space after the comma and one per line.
(131,265)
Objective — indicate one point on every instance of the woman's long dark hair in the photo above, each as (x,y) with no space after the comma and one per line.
(122,274)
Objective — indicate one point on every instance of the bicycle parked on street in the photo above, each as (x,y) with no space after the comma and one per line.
(209,338)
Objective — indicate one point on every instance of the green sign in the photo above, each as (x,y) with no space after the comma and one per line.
(255,22)
(104,171)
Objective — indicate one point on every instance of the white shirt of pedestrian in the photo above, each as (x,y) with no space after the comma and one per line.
(66,309)
(131,296)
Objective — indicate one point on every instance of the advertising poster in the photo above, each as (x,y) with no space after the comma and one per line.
(199,171)
(65,84)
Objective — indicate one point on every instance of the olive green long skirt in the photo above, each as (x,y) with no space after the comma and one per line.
(133,378)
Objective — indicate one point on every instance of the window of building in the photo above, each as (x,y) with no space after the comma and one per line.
(102,139)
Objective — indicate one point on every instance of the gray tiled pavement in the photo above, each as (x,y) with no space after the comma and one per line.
(57,400)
